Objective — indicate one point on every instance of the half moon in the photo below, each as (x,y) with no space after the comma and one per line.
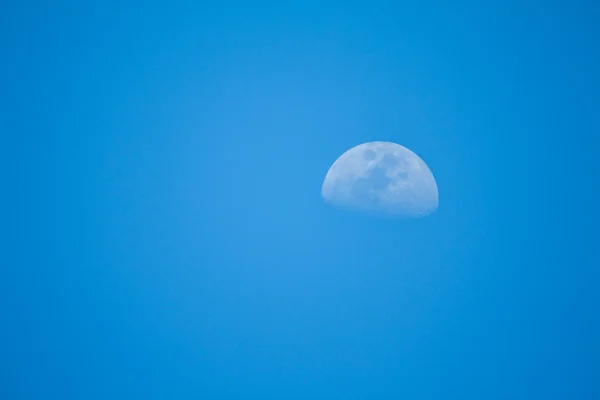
(381,178)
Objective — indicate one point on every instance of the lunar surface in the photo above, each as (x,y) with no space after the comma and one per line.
(381,178)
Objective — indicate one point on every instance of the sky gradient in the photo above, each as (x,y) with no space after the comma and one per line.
(164,235)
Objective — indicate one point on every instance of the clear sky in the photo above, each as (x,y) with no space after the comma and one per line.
(163,231)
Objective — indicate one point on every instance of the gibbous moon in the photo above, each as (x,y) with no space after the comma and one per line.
(381,178)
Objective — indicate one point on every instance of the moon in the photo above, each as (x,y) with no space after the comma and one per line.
(381,178)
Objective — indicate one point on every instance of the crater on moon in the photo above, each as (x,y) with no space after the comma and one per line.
(382,178)
(369,155)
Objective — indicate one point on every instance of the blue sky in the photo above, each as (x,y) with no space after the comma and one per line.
(164,235)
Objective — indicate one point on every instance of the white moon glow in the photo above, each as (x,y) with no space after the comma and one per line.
(381,178)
